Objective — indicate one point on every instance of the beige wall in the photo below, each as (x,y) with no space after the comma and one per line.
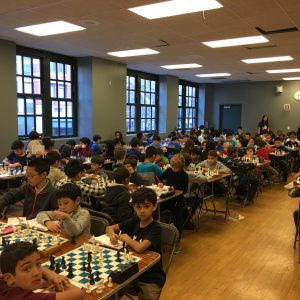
(8,103)
(257,98)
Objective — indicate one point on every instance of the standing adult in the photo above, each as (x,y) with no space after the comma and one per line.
(263,125)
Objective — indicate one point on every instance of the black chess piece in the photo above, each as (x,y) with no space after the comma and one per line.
(83,266)
(89,268)
(3,242)
(92,281)
(118,256)
(34,242)
(57,268)
(63,263)
(70,271)
(52,263)
(97,276)
(89,256)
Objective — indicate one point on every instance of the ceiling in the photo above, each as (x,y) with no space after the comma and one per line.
(111,27)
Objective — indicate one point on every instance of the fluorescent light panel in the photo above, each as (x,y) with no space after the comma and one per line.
(181,66)
(267,59)
(50,28)
(174,8)
(256,39)
(283,71)
(214,75)
(134,52)
(291,78)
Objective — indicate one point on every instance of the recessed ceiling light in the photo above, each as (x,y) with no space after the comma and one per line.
(181,66)
(247,40)
(134,52)
(50,28)
(214,75)
(283,71)
(174,8)
(266,59)
(291,78)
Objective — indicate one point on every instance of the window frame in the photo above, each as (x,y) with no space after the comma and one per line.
(182,121)
(139,76)
(45,58)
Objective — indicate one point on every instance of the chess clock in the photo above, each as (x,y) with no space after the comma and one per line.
(297,96)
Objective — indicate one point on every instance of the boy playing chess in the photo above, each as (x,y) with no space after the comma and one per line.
(22,273)
(72,219)
(38,193)
(142,233)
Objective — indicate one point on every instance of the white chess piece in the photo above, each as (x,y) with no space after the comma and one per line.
(88,288)
(109,284)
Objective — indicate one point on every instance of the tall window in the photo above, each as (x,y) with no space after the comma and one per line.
(61,99)
(46,94)
(29,95)
(141,102)
(187,106)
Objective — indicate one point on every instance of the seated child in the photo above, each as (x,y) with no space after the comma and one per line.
(119,155)
(160,159)
(117,197)
(83,149)
(75,171)
(142,233)
(130,164)
(195,156)
(212,163)
(134,150)
(178,178)
(34,141)
(97,165)
(73,219)
(38,193)
(67,148)
(22,273)
(96,148)
(148,169)
(292,142)
(17,158)
(56,174)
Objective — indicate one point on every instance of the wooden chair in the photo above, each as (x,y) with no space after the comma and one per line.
(98,225)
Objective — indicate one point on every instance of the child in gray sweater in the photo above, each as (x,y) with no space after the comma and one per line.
(72,219)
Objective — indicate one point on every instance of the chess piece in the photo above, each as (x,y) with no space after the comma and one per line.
(92,281)
(83,266)
(89,256)
(99,288)
(130,257)
(52,263)
(57,268)
(97,276)
(89,269)
(118,256)
(63,263)
(70,271)
(88,288)
(109,284)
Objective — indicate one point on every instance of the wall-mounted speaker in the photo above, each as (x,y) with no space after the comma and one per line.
(279,89)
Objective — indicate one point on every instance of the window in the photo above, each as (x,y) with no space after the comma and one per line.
(187,105)
(61,99)
(141,102)
(46,98)
(29,95)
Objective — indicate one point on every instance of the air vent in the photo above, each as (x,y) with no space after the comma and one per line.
(260,47)
(251,73)
(217,78)
(162,44)
(283,30)
(237,81)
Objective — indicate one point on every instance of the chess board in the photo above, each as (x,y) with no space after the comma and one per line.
(47,243)
(78,256)
(162,192)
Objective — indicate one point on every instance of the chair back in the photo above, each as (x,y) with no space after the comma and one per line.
(110,174)
(98,225)
(169,236)
(100,214)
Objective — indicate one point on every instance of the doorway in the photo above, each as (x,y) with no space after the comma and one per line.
(230,116)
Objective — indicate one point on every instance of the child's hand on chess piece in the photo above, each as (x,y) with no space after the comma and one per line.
(113,238)
(53,227)
(125,238)
(59,215)
(160,184)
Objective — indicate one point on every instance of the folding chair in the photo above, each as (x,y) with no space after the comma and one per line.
(100,214)
(98,226)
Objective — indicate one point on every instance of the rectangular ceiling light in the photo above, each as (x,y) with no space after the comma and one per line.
(181,66)
(214,75)
(291,78)
(174,8)
(50,28)
(266,59)
(247,40)
(283,71)
(134,52)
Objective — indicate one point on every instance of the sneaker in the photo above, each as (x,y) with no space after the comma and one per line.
(177,248)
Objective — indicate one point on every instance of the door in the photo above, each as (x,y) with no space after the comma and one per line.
(230,116)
